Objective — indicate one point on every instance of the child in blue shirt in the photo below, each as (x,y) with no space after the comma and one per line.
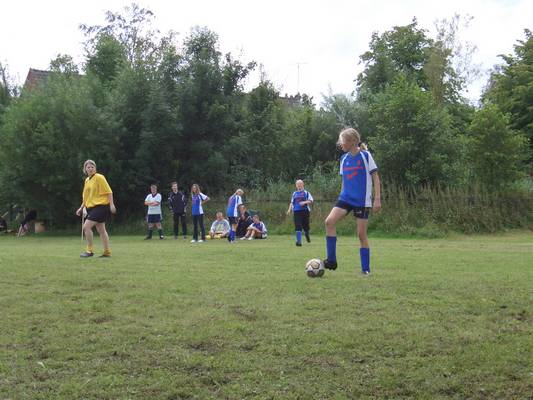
(256,230)
(359,177)
(232,212)
(301,201)
(197,211)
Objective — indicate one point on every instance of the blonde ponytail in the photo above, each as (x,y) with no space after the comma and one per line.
(350,135)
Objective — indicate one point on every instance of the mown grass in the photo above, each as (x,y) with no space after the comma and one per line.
(171,320)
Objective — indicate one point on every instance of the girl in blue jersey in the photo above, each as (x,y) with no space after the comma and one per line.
(359,176)
(233,213)
(198,199)
(300,204)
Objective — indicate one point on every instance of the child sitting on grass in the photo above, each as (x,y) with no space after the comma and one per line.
(220,227)
(257,230)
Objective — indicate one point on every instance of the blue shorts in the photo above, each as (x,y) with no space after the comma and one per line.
(154,218)
(233,220)
(358,212)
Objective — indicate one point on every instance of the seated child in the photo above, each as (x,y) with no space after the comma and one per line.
(257,230)
(219,228)
(30,217)
(243,222)
(3,225)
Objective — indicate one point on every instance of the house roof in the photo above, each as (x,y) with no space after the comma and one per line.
(36,77)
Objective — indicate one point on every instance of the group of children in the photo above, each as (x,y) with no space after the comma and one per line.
(221,228)
(360,193)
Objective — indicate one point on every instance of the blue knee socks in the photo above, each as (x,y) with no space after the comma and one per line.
(331,248)
(364,253)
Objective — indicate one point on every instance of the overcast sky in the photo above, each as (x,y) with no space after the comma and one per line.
(321,39)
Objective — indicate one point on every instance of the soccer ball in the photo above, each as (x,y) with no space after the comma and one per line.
(314,268)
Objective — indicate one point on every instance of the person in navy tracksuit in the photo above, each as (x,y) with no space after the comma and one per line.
(359,179)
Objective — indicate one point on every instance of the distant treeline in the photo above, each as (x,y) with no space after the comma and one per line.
(148,108)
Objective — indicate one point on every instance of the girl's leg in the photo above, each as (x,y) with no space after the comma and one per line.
(175,225)
(202,228)
(195,228)
(298,227)
(159,229)
(150,229)
(335,215)
(100,227)
(88,231)
(183,225)
(364,250)
(231,236)
(305,226)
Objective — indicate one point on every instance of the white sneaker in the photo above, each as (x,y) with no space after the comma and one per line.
(250,238)
(243,238)
(193,241)
(200,241)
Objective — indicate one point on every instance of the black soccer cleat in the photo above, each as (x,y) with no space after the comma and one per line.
(307,237)
(298,244)
(330,264)
(86,254)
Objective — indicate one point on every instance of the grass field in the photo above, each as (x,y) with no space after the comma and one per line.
(450,318)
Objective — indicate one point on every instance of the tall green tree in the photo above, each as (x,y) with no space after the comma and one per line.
(401,50)
(511,88)
(46,136)
(413,138)
(496,151)
(7,89)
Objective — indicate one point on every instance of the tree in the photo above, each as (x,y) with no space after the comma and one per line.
(496,151)
(64,64)
(107,58)
(413,136)
(44,142)
(511,88)
(400,50)
(7,89)
(449,67)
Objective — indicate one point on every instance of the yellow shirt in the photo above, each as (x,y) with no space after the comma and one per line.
(96,191)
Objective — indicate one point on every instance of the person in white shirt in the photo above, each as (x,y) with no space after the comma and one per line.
(220,228)
(153,201)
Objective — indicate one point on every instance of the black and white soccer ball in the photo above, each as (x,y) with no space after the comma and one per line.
(314,268)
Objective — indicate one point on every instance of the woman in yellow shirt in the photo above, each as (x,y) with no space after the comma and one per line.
(98,200)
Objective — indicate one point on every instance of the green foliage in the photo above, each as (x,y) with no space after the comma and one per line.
(149,110)
(496,151)
(7,89)
(402,50)
(46,136)
(413,137)
(511,88)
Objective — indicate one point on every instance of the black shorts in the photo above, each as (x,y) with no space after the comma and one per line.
(301,220)
(358,212)
(98,213)
(154,218)
(233,220)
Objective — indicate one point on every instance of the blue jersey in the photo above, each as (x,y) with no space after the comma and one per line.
(260,226)
(356,179)
(197,199)
(233,206)
(299,196)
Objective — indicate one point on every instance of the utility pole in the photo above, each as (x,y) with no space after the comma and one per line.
(298,78)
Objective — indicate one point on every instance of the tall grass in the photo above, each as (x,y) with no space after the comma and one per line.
(422,212)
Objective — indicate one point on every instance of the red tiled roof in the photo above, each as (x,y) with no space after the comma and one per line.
(36,77)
